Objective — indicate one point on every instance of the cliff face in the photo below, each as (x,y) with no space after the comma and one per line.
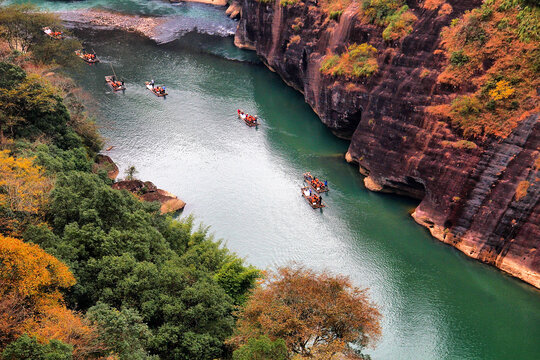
(467,191)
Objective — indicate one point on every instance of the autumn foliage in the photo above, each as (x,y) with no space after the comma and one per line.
(31,301)
(24,191)
(493,57)
(316,314)
(359,60)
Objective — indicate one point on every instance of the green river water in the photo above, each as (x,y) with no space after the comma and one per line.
(244,182)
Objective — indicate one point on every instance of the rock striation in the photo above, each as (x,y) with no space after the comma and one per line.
(482,197)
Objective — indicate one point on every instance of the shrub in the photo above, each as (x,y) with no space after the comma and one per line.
(335,15)
(458,58)
(358,61)
(399,24)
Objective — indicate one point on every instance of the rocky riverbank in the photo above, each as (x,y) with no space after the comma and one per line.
(144,190)
(143,25)
(470,192)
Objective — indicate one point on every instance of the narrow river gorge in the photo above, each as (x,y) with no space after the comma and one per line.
(244,183)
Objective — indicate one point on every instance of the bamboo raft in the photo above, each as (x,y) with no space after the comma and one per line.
(115,85)
(57,35)
(245,116)
(315,183)
(314,200)
(155,90)
(89,60)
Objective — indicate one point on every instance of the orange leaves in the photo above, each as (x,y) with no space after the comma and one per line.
(493,66)
(314,313)
(31,302)
(30,272)
(62,324)
(25,187)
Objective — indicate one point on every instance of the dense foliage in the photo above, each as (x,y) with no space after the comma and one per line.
(162,286)
(497,87)
(358,61)
(316,314)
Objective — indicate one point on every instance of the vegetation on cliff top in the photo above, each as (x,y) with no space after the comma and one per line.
(493,63)
(359,60)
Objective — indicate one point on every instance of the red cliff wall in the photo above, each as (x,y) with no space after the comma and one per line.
(467,194)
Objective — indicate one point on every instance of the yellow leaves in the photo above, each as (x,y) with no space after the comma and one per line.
(30,272)
(502,91)
(23,184)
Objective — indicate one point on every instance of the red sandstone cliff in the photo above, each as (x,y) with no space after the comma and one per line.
(468,193)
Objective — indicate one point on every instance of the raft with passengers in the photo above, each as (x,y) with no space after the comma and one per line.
(90,58)
(114,83)
(158,90)
(317,185)
(250,120)
(57,35)
(314,200)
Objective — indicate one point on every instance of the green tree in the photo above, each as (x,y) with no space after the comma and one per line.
(124,332)
(10,75)
(22,26)
(28,348)
(237,279)
(131,171)
(262,348)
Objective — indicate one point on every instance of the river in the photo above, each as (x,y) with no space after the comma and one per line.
(244,182)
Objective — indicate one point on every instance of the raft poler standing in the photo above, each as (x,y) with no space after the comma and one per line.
(152,83)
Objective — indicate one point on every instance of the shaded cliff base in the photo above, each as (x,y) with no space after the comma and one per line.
(472,244)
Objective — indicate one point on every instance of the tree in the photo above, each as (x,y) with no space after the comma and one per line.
(28,348)
(30,272)
(33,279)
(262,348)
(24,190)
(22,26)
(237,279)
(131,171)
(316,314)
(10,75)
(124,332)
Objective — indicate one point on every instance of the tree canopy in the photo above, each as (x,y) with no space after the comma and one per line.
(316,314)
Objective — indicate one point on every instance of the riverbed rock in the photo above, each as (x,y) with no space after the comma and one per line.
(467,193)
(147,191)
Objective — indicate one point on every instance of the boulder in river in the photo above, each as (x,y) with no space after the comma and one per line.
(147,191)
